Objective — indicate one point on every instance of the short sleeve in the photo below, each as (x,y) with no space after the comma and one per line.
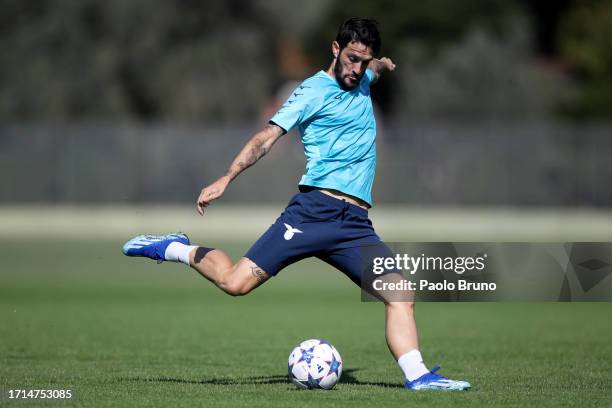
(303,103)
(370,76)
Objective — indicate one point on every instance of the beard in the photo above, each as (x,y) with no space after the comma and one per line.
(340,78)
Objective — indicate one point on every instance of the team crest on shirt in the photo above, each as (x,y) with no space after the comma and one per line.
(290,232)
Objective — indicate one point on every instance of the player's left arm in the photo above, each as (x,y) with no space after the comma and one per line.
(378,66)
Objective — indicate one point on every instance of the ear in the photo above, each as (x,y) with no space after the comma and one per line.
(335,49)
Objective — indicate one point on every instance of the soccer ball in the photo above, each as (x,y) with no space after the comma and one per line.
(315,364)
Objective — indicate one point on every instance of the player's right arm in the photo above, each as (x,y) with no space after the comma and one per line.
(255,149)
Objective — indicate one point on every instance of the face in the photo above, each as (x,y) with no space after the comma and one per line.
(350,63)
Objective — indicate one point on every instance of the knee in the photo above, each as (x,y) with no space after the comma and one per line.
(234,287)
(400,307)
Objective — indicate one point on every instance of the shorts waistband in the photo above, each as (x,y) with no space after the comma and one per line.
(335,202)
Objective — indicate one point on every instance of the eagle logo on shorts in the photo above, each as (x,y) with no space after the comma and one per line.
(290,232)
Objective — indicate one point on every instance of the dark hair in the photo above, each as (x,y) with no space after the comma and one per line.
(362,30)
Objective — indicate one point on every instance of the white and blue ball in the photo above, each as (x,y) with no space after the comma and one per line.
(315,364)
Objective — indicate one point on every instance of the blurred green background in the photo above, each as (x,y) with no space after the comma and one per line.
(494,103)
(188,60)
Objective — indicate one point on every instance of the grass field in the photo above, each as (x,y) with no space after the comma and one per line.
(127,332)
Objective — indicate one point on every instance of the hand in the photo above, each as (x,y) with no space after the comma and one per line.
(387,63)
(211,192)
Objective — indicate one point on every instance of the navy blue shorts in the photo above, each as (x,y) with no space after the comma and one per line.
(315,224)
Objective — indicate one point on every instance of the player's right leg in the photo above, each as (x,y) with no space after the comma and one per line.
(213,264)
(234,279)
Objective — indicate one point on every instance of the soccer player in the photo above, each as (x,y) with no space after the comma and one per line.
(328,218)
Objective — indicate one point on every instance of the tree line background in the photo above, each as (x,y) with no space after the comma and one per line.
(494,102)
(191,60)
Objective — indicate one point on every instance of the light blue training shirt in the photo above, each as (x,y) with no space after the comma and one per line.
(338,131)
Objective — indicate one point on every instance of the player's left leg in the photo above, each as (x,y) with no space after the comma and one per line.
(400,324)
(400,329)
(402,339)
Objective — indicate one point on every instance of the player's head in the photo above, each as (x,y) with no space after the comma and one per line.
(357,42)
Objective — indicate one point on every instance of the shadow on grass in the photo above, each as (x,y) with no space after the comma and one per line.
(347,378)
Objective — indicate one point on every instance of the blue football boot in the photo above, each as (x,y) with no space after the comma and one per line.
(433,381)
(153,246)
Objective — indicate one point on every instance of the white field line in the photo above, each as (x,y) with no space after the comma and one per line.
(247,222)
